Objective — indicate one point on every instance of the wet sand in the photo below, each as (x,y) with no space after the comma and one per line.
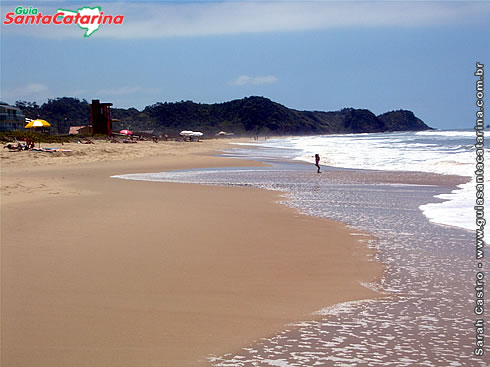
(97,271)
(426,318)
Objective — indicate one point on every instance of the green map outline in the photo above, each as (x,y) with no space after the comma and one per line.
(78,10)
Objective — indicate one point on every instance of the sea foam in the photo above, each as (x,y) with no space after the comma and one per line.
(436,151)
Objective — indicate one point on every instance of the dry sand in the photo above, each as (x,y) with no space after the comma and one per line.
(106,272)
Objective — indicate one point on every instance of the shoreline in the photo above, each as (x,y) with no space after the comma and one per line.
(415,251)
(173,274)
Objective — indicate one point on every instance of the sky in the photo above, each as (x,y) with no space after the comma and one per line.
(306,55)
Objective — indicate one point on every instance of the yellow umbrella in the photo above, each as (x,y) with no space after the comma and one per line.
(37,123)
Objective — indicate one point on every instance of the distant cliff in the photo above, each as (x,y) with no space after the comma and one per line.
(259,115)
(402,120)
(247,116)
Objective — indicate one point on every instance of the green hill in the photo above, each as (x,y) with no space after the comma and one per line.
(247,116)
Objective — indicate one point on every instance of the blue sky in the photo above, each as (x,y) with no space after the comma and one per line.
(308,55)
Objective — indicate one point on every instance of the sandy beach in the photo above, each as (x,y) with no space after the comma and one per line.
(97,271)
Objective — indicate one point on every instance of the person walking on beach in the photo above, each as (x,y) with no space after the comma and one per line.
(317,162)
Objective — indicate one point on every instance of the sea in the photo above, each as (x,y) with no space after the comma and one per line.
(414,192)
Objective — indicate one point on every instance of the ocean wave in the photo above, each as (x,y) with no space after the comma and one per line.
(446,133)
(437,151)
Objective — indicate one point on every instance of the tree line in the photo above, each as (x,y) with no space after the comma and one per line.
(246,116)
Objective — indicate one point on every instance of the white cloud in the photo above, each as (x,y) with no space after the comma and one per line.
(119,91)
(204,19)
(34,88)
(126,90)
(79,92)
(31,90)
(170,19)
(254,80)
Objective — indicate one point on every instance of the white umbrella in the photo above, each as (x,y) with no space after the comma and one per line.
(186,133)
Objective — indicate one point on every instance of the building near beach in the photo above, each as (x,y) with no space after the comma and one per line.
(74,130)
(11,118)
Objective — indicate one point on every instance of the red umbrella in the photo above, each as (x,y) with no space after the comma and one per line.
(126,132)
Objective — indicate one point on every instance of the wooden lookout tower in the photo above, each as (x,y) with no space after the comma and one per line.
(100,116)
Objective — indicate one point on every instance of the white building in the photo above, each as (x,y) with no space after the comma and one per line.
(11,118)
